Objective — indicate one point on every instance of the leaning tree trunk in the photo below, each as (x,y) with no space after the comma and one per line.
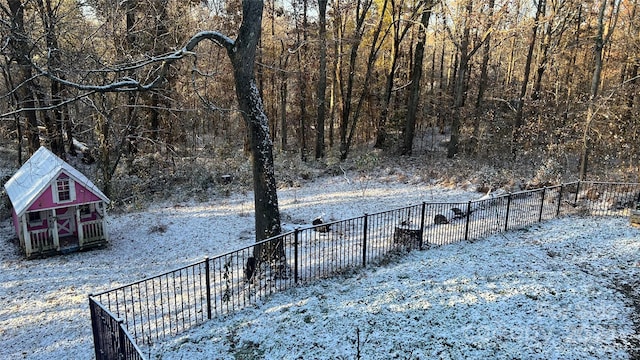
(601,40)
(416,76)
(519,122)
(242,54)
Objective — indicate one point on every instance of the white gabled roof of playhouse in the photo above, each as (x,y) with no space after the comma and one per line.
(36,174)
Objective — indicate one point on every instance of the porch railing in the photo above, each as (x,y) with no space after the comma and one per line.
(41,240)
(92,231)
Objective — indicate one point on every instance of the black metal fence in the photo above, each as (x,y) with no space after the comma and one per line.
(149,310)
(110,335)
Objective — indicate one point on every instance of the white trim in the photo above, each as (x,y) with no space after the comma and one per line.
(26,235)
(56,238)
(79,227)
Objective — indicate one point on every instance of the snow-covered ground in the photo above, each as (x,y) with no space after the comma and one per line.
(541,293)
(545,292)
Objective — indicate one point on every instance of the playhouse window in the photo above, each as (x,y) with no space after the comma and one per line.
(86,210)
(35,219)
(64,190)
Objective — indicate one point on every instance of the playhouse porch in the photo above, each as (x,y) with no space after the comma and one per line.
(62,230)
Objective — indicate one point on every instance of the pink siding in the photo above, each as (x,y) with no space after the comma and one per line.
(45,200)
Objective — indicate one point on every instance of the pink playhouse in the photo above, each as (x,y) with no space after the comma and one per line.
(56,209)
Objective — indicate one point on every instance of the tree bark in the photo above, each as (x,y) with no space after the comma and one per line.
(601,39)
(483,83)
(519,122)
(284,94)
(54,121)
(416,76)
(381,128)
(322,78)
(302,83)
(243,54)
(129,46)
(347,130)
(460,84)
(348,94)
(20,52)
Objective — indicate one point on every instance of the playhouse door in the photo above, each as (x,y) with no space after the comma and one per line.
(66,224)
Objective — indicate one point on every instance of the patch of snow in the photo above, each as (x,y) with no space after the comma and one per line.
(546,291)
(541,293)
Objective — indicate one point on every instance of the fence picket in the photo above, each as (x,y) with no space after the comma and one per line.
(364,240)
(544,190)
(422,212)
(296,235)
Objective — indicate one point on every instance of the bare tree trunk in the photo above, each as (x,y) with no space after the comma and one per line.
(10,85)
(416,76)
(570,67)
(336,84)
(19,46)
(512,53)
(601,40)
(347,130)
(381,126)
(158,95)
(460,85)
(544,59)
(243,54)
(130,39)
(322,80)
(54,123)
(484,81)
(519,122)
(302,84)
(284,93)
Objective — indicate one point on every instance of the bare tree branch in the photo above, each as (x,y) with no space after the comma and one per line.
(129,84)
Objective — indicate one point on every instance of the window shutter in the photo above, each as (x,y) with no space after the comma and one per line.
(72,190)
(54,191)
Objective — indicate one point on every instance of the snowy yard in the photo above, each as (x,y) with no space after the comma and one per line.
(542,293)
(545,292)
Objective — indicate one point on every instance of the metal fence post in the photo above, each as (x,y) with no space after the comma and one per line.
(506,217)
(424,207)
(544,190)
(295,255)
(559,200)
(466,226)
(207,275)
(97,336)
(575,200)
(364,240)
(122,349)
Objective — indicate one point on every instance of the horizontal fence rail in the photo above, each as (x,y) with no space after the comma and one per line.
(149,310)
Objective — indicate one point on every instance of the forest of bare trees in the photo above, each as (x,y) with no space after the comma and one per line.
(502,81)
